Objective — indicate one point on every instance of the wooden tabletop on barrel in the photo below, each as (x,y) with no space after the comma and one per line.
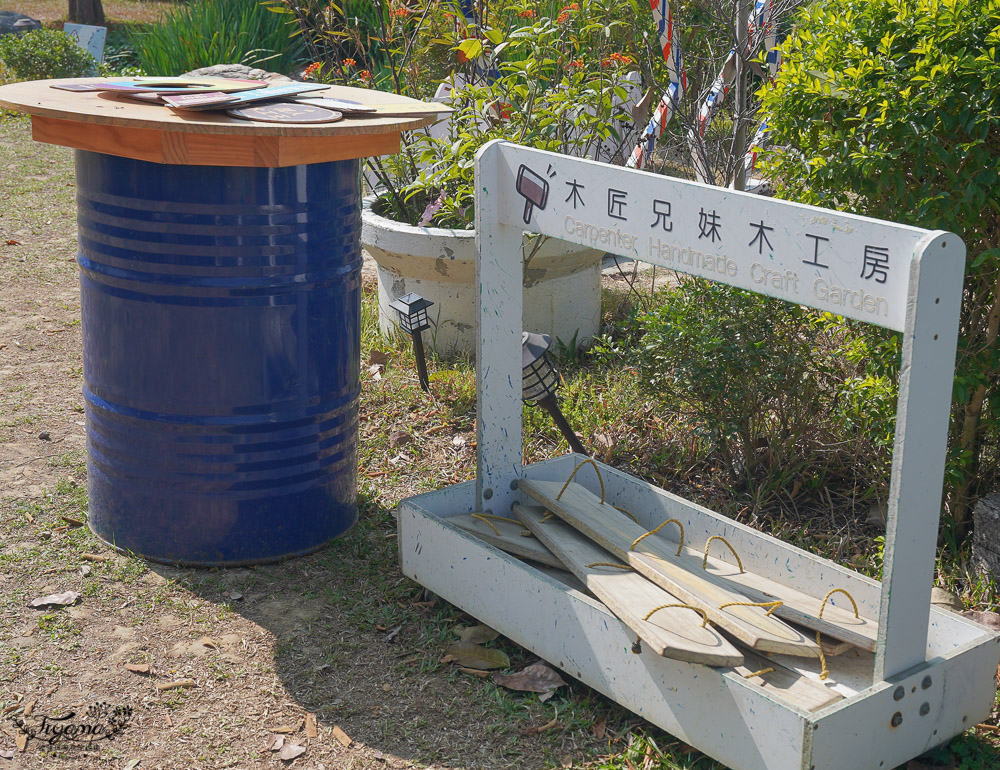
(38,98)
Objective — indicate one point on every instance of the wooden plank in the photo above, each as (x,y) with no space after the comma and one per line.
(784,684)
(673,632)
(922,415)
(196,149)
(507,537)
(838,622)
(615,532)
(141,145)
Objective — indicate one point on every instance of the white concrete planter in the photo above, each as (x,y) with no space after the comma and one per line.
(562,290)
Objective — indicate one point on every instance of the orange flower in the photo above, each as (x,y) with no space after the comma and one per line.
(564,13)
(528,14)
(312,69)
(365,75)
(576,63)
(616,58)
(349,62)
(399,12)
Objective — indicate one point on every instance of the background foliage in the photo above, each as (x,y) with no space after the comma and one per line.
(888,108)
(201,34)
(45,53)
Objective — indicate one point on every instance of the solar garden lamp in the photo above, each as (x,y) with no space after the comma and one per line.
(412,309)
(539,381)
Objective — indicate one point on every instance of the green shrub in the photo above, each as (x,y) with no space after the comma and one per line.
(202,34)
(888,108)
(45,53)
(752,375)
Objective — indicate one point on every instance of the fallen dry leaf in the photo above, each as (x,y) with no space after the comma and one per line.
(989,619)
(207,641)
(553,724)
(137,668)
(566,762)
(473,656)
(94,557)
(175,684)
(536,678)
(275,742)
(393,633)
(12,242)
(400,438)
(55,600)
(72,522)
(342,738)
(132,764)
(477,634)
(166,718)
(378,358)
(475,672)
(311,731)
(21,741)
(599,729)
(29,707)
(6,754)
(291,751)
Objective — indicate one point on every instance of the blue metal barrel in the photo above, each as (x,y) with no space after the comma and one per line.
(221,339)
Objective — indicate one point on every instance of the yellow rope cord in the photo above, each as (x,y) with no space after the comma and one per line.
(598,470)
(830,593)
(699,610)
(680,526)
(608,564)
(773,605)
(485,518)
(824,671)
(763,671)
(548,515)
(622,510)
(704,562)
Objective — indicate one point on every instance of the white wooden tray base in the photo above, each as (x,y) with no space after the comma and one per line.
(721,713)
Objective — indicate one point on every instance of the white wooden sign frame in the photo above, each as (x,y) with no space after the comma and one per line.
(893,275)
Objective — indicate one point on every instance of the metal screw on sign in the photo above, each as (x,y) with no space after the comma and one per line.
(539,381)
(412,309)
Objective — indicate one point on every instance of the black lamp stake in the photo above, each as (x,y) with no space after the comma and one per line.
(412,309)
(539,381)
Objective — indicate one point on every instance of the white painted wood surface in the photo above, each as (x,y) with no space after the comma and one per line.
(922,415)
(726,716)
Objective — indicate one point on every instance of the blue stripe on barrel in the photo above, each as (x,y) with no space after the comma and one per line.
(221,329)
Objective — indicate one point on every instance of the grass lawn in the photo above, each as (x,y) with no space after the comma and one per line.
(116,12)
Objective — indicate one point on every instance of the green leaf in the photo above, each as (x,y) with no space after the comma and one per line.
(472,48)
(474,656)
